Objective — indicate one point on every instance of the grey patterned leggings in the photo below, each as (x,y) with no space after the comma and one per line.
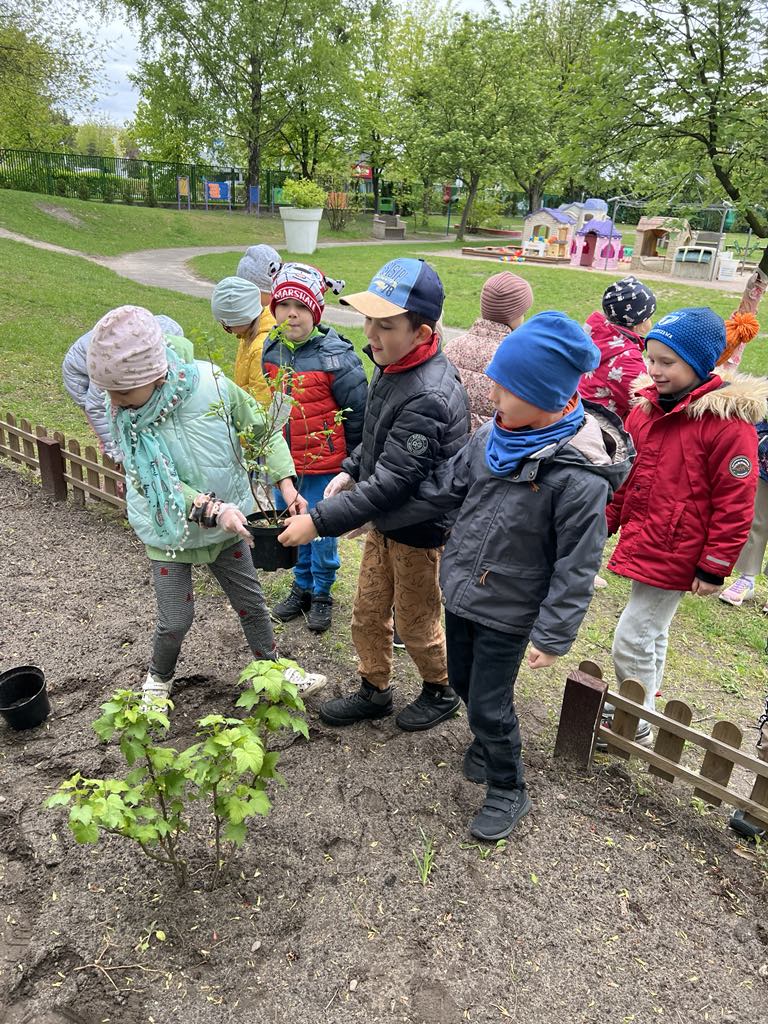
(176,606)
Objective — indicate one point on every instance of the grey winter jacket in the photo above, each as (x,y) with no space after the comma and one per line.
(74,371)
(414,421)
(524,550)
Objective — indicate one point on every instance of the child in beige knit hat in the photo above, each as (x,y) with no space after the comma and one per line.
(504,301)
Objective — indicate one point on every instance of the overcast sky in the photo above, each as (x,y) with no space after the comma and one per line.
(118,99)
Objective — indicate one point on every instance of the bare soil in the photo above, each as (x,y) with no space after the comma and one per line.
(614,901)
(61,214)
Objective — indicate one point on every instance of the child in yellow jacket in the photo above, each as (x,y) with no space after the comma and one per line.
(241,310)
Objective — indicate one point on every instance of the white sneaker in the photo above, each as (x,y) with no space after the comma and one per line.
(154,687)
(739,591)
(306,683)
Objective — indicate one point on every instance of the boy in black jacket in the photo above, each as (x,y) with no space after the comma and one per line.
(417,416)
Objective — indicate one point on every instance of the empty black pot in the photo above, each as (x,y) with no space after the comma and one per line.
(23,697)
(267,551)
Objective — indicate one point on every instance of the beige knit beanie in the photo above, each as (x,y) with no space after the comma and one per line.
(505,297)
(127,350)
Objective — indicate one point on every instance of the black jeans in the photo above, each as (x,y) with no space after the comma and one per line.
(482,668)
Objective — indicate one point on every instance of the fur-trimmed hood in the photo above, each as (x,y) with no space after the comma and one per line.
(738,396)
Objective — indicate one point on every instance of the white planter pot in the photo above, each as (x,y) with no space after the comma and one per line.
(300,228)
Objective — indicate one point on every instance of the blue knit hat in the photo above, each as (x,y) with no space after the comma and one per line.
(696,334)
(542,361)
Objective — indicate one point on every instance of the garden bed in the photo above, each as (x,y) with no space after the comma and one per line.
(615,901)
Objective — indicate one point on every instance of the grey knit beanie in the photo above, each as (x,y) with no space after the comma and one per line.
(259,266)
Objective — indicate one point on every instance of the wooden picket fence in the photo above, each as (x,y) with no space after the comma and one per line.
(61,463)
(580,728)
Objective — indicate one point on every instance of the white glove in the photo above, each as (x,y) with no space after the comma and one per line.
(341,482)
(231,519)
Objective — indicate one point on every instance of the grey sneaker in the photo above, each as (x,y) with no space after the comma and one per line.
(500,814)
(643,736)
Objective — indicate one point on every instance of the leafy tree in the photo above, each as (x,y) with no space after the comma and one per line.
(555,42)
(233,63)
(96,138)
(688,80)
(467,106)
(43,65)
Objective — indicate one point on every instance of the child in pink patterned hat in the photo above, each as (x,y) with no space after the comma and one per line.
(504,301)
(187,492)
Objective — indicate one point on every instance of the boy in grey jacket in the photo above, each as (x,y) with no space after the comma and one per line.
(531,488)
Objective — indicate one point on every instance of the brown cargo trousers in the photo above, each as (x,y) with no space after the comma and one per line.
(406,578)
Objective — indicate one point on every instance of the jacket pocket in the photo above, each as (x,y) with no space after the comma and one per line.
(673,525)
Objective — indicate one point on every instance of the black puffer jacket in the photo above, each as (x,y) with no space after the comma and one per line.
(414,420)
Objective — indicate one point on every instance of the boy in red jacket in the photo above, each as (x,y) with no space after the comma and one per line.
(685,509)
(619,333)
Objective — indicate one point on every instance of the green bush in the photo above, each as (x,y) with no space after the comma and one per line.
(128,195)
(108,193)
(60,186)
(226,770)
(304,194)
(83,190)
(485,212)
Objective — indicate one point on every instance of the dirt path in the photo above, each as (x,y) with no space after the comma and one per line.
(613,902)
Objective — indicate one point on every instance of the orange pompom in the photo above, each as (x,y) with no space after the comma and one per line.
(739,329)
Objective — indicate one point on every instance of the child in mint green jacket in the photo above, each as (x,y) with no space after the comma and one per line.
(187,492)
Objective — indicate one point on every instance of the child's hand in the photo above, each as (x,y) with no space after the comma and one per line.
(702,589)
(298,530)
(538,659)
(295,504)
(231,519)
(341,482)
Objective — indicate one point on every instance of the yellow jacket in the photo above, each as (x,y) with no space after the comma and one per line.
(248,373)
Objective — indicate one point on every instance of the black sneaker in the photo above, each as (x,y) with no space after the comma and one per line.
(320,610)
(297,603)
(434,705)
(474,764)
(502,810)
(738,822)
(367,703)
(397,643)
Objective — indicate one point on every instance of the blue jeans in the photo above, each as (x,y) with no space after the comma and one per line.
(318,562)
(482,668)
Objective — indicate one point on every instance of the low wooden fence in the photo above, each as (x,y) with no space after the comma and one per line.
(580,728)
(63,466)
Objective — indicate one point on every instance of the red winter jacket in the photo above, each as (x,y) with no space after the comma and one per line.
(687,503)
(327,376)
(621,363)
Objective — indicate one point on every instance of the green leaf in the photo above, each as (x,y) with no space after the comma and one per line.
(236,833)
(82,813)
(84,833)
(58,799)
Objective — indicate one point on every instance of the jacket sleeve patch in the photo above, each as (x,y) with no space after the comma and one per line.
(417,444)
(740,466)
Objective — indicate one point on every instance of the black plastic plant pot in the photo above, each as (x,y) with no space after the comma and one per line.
(267,551)
(23,697)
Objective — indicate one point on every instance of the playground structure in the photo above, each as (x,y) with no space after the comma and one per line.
(549,233)
(597,244)
(657,239)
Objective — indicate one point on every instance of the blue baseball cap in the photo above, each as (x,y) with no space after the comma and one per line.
(401,286)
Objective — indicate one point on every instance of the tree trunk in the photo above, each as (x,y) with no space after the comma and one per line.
(376,183)
(474,181)
(254,168)
(533,192)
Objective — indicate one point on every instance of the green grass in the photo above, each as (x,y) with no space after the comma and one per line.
(108,229)
(40,319)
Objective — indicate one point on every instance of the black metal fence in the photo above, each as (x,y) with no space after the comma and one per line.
(113,179)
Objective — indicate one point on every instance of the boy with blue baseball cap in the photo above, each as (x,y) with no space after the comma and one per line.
(417,416)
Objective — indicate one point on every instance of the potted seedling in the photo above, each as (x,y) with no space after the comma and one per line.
(266,523)
(301,216)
